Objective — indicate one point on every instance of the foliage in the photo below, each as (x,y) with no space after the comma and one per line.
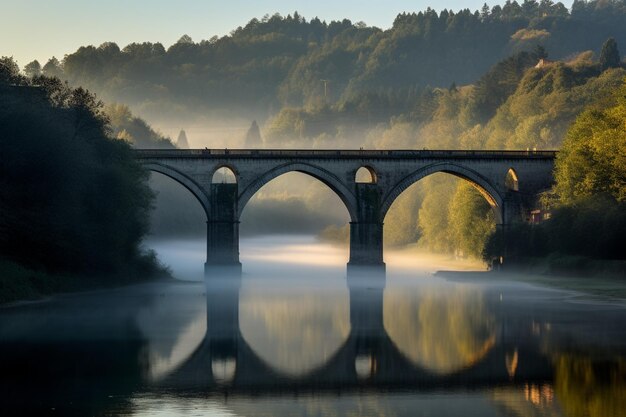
(609,55)
(278,61)
(589,198)
(401,226)
(134,130)
(33,69)
(592,160)
(340,84)
(590,388)
(493,88)
(433,217)
(471,220)
(72,200)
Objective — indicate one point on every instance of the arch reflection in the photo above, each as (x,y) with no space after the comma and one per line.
(294,332)
(223,370)
(362,335)
(172,333)
(442,329)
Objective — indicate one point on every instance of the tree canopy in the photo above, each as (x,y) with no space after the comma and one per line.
(279,61)
(71,198)
(609,55)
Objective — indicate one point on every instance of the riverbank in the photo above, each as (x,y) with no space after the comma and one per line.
(601,286)
(18,283)
(569,265)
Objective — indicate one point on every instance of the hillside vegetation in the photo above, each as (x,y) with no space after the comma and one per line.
(277,61)
(515,76)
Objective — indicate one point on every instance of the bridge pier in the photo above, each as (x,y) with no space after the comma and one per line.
(366,234)
(223,232)
(366,246)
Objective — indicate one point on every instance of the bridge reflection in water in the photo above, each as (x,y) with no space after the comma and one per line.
(391,339)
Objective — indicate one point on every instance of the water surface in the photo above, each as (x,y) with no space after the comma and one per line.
(294,336)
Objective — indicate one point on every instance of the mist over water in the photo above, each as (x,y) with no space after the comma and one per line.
(299,257)
(295,337)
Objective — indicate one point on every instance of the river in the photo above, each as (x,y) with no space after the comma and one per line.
(293,336)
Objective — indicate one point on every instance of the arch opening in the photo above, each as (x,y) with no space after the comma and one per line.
(511,181)
(441,221)
(365,175)
(299,220)
(323,176)
(178,224)
(224,175)
(365,366)
(476,180)
(187,182)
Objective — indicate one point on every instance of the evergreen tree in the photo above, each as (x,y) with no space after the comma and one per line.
(484,12)
(609,57)
(182,142)
(253,136)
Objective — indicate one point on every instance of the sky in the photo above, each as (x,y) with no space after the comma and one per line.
(39,29)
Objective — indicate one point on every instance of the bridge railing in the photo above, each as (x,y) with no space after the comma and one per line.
(364,153)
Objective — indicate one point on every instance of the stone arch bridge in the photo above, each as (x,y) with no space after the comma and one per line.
(509,180)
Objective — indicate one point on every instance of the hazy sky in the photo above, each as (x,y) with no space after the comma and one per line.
(38,29)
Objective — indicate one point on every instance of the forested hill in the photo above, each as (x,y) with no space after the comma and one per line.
(291,61)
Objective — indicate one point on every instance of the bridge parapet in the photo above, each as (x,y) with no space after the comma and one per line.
(341,153)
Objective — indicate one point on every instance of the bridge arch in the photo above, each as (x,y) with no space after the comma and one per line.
(482,184)
(326,177)
(183,180)
(224,174)
(511,180)
(365,175)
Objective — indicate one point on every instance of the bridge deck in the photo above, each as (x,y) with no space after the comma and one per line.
(343,153)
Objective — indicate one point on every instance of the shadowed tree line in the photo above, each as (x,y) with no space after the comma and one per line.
(72,199)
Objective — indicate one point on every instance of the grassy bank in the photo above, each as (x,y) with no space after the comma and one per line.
(18,283)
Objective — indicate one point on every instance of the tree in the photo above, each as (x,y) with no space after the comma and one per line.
(530,8)
(592,160)
(182,142)
(9,70)
(470,220)
(52,68)
(33,69)
(253,136)
(609,56)
(484,12)
(72,200)
(185,39)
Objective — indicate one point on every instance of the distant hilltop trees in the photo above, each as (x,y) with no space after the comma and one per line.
(279,61)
